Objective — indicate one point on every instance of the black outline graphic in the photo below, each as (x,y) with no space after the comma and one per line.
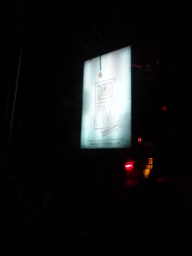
(104,97)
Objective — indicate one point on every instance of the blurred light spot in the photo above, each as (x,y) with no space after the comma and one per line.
(132,182)
(161,179)
(148,166)
(129,166)
(146,173)
(150,160)
(139,140)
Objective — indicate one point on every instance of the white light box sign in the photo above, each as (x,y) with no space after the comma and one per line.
(106,111)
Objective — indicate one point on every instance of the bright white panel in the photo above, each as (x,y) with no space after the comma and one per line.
(106,112)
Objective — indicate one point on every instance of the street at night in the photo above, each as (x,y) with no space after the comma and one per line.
(95,134)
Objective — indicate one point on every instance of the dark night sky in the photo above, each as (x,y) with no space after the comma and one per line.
(57,40)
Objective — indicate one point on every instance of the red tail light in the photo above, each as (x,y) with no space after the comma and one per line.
(129,166)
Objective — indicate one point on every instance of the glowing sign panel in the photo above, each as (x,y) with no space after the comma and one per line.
(106,113)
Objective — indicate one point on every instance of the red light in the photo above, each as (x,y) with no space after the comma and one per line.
(161,179)
(164,108)
(139,140)
(132,182)
(137,66)
(129,166)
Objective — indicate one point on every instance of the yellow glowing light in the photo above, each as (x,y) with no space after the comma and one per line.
(100,74)
(146,173)
(150,160)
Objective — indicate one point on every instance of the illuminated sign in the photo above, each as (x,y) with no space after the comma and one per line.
(106,112)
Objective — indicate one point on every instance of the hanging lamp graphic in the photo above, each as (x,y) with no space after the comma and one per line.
(104,102)
(100,74)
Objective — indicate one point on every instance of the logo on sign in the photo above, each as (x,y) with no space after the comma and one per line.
(105,91)
(105,104)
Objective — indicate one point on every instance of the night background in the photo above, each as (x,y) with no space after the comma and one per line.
(41,137)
